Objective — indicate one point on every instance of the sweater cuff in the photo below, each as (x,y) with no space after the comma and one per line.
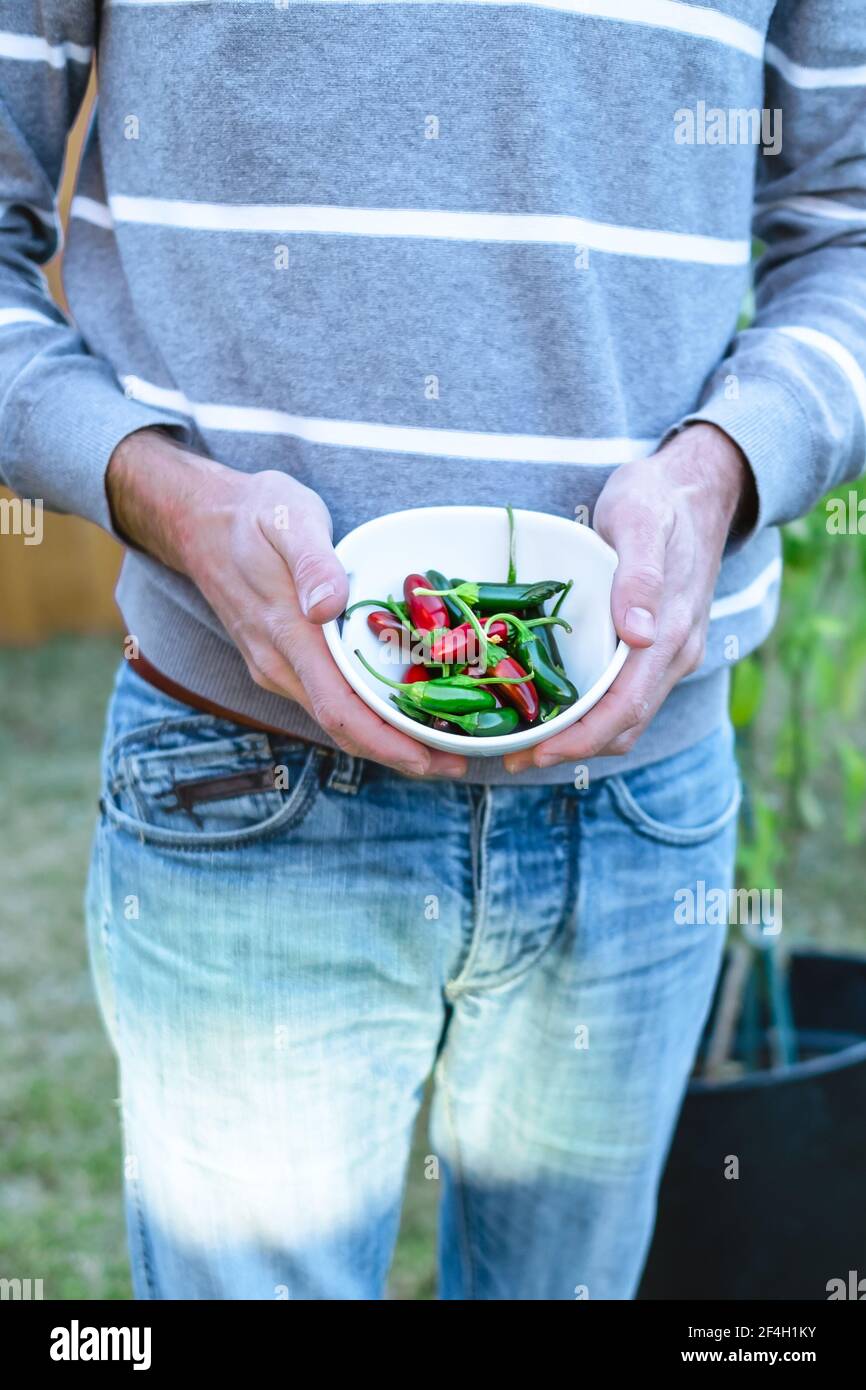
(65,443)
(772,428)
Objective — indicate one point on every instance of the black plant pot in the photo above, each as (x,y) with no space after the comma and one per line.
(795,1218)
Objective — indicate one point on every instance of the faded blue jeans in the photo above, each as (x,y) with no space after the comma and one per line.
(280,970)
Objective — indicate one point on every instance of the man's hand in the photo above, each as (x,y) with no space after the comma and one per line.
(668,518)
(258,547)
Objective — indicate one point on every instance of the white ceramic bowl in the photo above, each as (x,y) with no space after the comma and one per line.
(472,542)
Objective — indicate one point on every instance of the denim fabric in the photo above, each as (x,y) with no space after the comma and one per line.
(281,969)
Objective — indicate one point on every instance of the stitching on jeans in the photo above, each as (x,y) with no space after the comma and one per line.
(462,983)
(632,811)
(102,851)
(300,800)
(480,823)
(465,1234)
(144,1239)
(500,981)
(346,774)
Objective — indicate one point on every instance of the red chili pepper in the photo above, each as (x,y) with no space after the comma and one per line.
(457,645)
(523,697)
(417,673)
(425,610)
(381,622)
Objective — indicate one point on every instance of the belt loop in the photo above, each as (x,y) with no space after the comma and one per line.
(346,774)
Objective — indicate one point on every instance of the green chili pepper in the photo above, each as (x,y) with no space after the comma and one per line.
(486,724)
(543,625)
(438,581)
(412,711)
(548,637)
(512,568)
(549,712)
(462,691)
(490,598)
(456,695)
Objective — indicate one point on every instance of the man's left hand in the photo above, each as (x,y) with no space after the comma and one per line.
(668,517)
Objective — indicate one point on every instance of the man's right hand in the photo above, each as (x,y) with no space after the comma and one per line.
(258,547)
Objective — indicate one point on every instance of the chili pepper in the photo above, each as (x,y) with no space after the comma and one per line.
(547,637)
(397,635)
(412,711)
(474,623)
(512,568)
(523,696)
(417,673)
(548,712)
(542,651)
(530,650)
(426,611)
(549,679)
(456,645)
(438,581)
(382,621)
(491,598)
(486,724)
(456,695)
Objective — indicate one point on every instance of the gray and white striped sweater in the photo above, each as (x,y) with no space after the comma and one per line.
(294,216)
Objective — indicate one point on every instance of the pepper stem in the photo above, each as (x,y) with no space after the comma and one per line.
(465,590)
(519,623)
(549,622)
(397,685)
(376,603)
(512,568)
(562,597)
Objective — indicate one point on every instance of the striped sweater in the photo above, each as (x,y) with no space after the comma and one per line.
(423,251)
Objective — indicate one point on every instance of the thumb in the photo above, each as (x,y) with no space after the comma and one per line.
(306,546)
(638,583)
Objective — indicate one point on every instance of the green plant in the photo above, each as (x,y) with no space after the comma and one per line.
(814,667)
(803,694)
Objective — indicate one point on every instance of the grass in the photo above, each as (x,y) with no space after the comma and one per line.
(60,1208)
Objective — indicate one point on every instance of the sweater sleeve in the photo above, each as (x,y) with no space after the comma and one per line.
(792,390)
(62,410)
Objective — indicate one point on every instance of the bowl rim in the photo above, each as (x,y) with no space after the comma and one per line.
(456,743)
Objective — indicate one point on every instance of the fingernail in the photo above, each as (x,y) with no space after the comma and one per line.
(451,770)
(413,769)
(641,622)
(545,759)
(514,764)
(321,591)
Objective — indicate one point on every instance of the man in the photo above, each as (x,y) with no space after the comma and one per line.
(329,261)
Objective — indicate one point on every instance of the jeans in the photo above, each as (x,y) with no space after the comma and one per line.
(282,961)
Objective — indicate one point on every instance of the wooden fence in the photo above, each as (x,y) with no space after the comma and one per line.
(64,584)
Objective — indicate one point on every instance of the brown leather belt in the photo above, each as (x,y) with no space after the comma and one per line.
(142,667)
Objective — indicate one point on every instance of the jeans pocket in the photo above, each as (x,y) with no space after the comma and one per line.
(199,782)
(686,799)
